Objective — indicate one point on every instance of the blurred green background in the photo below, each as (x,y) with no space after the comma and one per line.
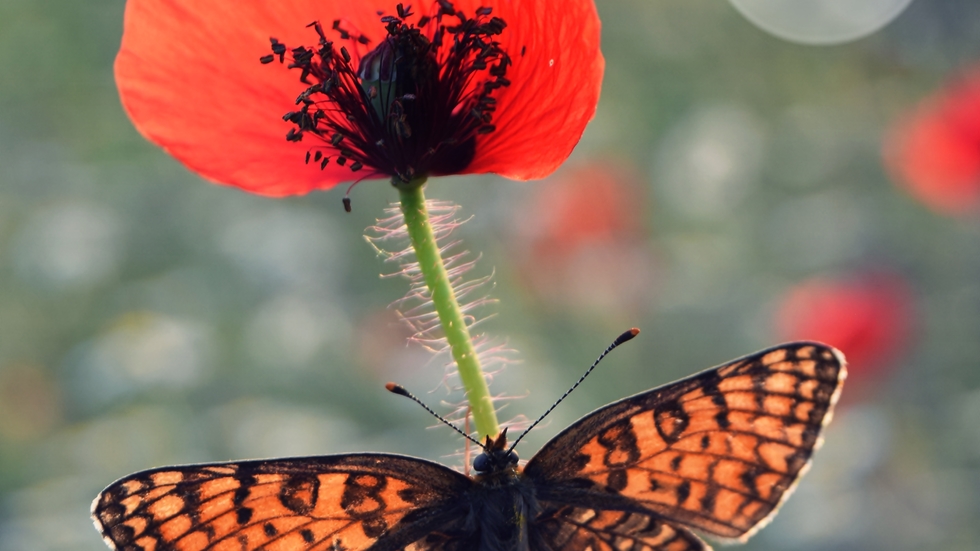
(150,318)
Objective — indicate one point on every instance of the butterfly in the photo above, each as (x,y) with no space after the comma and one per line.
(716,453)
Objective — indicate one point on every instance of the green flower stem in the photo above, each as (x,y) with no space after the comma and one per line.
(450,316)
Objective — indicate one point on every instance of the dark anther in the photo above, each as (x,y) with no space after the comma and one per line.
(266,59)
(347,206)
(278,48)
(344,35)
(496,25)
(319,31)
(389,112)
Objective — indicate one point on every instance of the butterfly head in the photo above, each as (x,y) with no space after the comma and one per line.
(495,457)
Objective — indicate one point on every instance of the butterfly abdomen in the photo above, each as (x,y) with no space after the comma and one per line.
(502,505)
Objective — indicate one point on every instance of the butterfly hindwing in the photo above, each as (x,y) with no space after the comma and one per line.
(570,528)
(304,504)
(717,451)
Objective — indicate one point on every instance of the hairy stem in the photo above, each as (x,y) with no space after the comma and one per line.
(447,307)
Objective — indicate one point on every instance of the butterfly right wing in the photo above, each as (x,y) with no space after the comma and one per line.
(374,502)
(718,451)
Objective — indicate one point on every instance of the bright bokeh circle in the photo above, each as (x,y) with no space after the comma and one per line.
(820,22)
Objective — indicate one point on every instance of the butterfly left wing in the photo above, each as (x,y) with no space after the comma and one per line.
(351,502)
(717,451)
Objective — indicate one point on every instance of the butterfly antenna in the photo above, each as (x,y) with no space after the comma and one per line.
(400,390)
(619,340)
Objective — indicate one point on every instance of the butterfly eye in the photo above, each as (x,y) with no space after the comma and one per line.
(512,458)
(481,463)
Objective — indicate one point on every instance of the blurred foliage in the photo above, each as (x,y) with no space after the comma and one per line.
(147,317)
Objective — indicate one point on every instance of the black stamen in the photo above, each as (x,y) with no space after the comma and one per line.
(410,107)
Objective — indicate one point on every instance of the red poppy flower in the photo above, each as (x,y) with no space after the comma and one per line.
(934,151)
(868,318)
(468,86)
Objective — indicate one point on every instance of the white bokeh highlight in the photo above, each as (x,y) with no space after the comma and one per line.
(143,351)
(707,163)
(820,22)
(68,245)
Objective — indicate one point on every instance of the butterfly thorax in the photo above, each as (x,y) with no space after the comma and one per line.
(502,501)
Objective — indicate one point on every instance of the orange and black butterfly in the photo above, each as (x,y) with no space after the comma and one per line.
(715,453)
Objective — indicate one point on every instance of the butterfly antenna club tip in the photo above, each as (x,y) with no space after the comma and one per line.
(397,389)
(625,337)
(628,335)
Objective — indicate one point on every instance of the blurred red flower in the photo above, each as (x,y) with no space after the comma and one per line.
(468,86)
(868,318)
(582,241)
(934,150)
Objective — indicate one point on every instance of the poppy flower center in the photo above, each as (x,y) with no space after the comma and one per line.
(415,103)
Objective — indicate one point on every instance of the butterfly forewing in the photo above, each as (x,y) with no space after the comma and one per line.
(717,452)
(304,504)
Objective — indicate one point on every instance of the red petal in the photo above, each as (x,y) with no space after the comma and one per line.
(189,76)
(868,319)
(554,89)
(935,151)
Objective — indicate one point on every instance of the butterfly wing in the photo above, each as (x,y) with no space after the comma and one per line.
(571,528)
(718,451)
(350,502)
